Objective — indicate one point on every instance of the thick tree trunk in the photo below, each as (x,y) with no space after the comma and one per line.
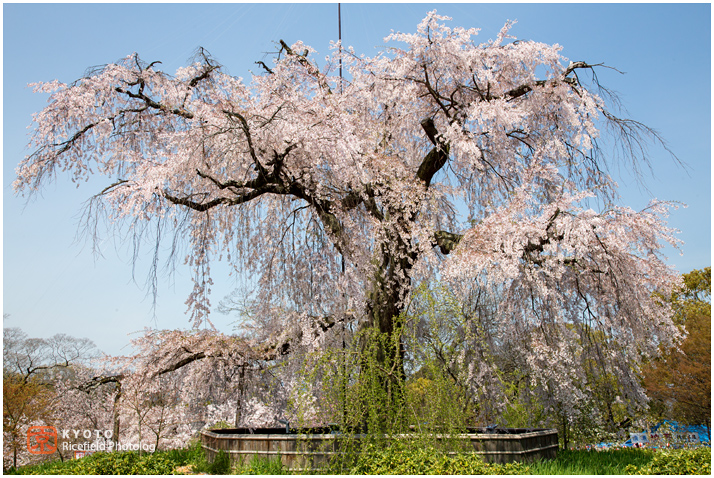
(388,351)
(382,347)
(241,392)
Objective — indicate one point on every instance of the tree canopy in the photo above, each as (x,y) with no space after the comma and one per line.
(477,163)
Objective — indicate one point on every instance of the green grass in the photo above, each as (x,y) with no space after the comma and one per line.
(627,461)
(582,462)
(262,466)
(392,460)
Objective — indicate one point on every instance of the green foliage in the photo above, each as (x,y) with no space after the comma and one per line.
(221,425)
(263,466)
(197,462)
(695,298)
(398,457)
(102,463)
(409,408)
(520,411)
(382,385)
(435,334)
(694,461)
(591,462)
(124,463)
(679,382)
(183,456)
(633,461)
(388,382)
(402,457)
(221,464)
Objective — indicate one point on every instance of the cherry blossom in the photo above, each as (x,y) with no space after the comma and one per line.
(440,157)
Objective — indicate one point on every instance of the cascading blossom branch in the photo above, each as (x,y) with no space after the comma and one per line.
(291,174)
(563,274)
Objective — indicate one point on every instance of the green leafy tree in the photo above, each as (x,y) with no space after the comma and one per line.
(679,382)
(25,401)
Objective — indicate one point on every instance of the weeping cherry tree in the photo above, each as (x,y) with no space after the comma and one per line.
(480,164)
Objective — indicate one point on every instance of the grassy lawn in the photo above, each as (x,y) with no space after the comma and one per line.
(191,460)
(582,462)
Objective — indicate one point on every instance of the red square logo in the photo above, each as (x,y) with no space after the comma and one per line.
(42,440)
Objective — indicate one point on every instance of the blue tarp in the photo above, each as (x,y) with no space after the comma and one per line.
(703,431)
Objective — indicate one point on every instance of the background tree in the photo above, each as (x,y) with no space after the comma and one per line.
(34,371)
(287,178)
(25,403)
(679,382)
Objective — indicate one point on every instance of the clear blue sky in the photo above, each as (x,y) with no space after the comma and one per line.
(53,284)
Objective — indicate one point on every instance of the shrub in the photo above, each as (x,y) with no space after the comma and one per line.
(102,463)
(221,464)
(404,458)
(263,466)
(121,463)
(692,461)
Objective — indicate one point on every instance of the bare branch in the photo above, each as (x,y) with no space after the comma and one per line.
(264,66)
